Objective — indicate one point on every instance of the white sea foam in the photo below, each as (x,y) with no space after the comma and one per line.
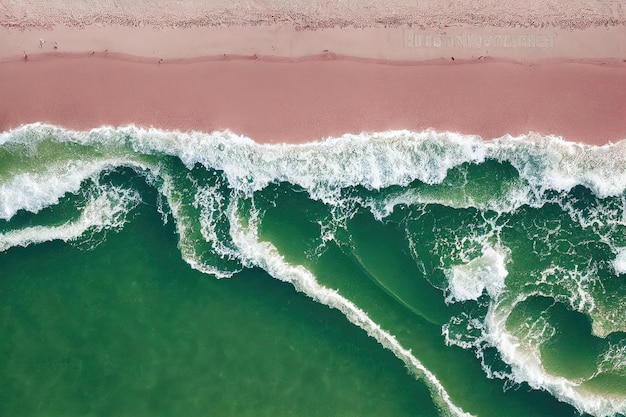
(521,351)
(614,358)
(35,191)
(522,194)
(374,161)
(486,272)
(184,226)
(107,208)
(393,158)
(575,284)
(549,162)
(582,290)
(266,256)
(212,205)
(619,264)
(526,366)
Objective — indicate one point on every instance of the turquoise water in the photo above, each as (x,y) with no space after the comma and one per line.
(145,272)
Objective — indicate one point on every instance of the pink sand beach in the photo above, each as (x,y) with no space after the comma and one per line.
(277,81)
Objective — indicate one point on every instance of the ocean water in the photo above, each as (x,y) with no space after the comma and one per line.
(145,272)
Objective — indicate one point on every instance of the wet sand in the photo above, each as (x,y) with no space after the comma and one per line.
(311,99)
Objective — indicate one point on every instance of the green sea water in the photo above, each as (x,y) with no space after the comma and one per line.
(145,272)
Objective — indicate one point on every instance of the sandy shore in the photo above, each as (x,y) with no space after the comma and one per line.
(283,82)
(312,99)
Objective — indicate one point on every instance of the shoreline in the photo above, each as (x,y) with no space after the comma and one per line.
(324,56)
(296,100)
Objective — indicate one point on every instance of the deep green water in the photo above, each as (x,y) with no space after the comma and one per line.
(400,274)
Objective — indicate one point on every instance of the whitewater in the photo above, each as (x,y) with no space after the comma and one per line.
(510,250)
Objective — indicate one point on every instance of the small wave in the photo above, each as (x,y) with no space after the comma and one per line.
(371,160)
(526,366)
(521,350)
(107,208)
(35,191)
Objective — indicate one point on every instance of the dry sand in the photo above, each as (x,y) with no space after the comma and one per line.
(190,68)
(313,14)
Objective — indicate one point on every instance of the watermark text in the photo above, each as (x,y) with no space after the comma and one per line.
(418,40)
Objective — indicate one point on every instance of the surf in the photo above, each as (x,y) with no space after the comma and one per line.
(213,185)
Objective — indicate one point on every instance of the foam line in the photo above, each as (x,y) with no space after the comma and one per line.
(266,256)
(108,209)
